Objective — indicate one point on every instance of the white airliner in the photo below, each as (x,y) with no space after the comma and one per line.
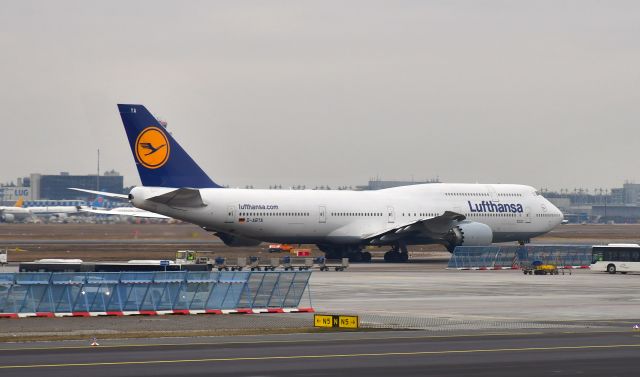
(340,223)
(20,213)
(9,214)
(58,211)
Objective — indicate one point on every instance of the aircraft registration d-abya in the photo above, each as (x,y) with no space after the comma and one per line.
(340,222)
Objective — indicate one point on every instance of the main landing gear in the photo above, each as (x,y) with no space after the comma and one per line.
(360,256)
(397,254)
(354,253)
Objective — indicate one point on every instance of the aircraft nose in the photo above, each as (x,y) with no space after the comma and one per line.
(559,215)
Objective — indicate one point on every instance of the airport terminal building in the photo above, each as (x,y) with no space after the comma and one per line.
(56,186)
(618,205)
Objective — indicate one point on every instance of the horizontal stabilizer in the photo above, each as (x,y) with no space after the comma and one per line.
(103,193)
(132,213)
(181,198)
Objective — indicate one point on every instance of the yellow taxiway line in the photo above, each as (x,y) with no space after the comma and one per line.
(328,356)
(284,341)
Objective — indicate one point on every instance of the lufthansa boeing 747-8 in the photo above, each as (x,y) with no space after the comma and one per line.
(341,223)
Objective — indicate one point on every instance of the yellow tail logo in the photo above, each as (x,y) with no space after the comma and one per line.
(152,148)
(20,202)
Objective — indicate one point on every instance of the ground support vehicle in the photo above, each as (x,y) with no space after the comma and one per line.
(541,269)
(192,257)
(220,264)
(257,264)
(240,264)
(277,248)
(292,263)
(336,264)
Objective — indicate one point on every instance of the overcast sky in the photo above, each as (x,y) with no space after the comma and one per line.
(545,93)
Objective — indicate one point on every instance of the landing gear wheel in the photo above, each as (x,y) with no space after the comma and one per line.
(355,257)
(392,256)
(366,257)
(404,257)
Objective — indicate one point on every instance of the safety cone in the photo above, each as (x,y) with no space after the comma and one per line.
(94,342)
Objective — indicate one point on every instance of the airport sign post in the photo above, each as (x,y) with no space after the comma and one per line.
(340,321)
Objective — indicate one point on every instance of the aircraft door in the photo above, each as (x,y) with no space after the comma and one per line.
(322,214)
(230,214)
(391,215)
(493,193)
(527,215)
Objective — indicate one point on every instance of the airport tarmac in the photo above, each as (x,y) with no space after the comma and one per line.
(338,354)
(427,296)
(453,323)
(422,296)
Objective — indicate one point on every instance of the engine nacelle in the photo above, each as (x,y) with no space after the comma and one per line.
(237,241)
(7,218)
(469,234)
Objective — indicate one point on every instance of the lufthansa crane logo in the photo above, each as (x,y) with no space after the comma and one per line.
(152,148)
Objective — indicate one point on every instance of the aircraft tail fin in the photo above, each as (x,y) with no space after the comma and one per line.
(98,202)
(20,202)
(160,160)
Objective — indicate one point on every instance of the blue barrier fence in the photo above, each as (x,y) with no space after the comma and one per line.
(149,291)
(518,256)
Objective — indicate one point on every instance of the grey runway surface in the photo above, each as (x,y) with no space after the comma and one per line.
(340,354)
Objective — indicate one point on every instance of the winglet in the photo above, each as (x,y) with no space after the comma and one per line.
(160,160)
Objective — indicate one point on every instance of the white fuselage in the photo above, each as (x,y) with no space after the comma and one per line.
(10,214)
(53,210)
(513,212)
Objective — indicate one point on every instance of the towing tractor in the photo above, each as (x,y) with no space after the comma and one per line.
(539,268)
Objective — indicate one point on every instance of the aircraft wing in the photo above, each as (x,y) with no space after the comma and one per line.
(132,213)
(426,227)
(103,193)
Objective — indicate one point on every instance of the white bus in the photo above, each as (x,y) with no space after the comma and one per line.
(614,258)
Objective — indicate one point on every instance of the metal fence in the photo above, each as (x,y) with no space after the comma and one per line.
(496,257)
(138,292)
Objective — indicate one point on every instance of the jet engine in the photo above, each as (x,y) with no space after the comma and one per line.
(469,234)
(237,241)
(7,218)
